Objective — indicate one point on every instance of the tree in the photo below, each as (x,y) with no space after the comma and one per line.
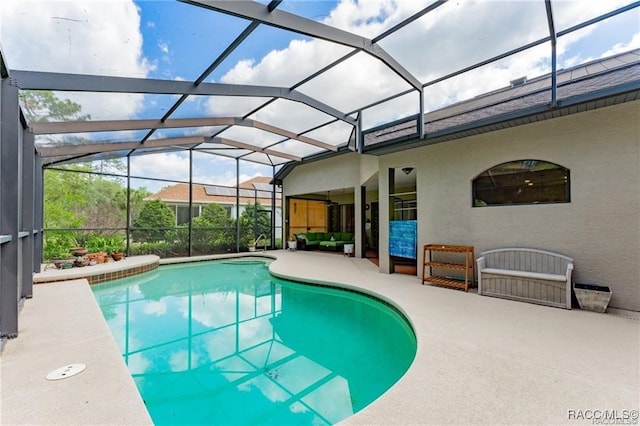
(213,215)
(155,223)
(101,209)
(136,203)
(213,230)
(64,200)
(254,221)
(43,105)
(74,197)
(71,199)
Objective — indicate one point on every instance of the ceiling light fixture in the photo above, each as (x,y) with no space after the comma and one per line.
(407,170)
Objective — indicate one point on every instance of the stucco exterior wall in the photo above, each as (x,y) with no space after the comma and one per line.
(599,228)
(335,173)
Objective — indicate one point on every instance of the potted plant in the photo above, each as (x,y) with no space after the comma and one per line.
(62,259)
(78,251)
(57,249)
(292,243)
(115,247)
(97,246)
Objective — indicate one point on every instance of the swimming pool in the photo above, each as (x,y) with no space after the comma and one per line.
(224,342)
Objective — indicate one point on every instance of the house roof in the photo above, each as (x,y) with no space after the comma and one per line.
(254,190)
(596,84)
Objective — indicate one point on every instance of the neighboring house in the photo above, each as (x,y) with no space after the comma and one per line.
(252,191)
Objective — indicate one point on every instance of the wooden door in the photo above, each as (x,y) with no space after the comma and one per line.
(297,216)
(307,215)
(316,216)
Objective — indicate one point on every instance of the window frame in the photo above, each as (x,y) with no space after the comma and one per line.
(523,170)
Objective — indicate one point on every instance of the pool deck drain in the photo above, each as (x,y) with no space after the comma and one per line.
(66,372)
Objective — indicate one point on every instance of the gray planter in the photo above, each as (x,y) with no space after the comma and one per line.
(592,297)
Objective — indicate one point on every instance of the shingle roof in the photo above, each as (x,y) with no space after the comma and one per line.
(616,79)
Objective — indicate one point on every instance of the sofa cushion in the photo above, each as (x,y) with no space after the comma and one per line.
(314,238)
(344,236)
(332,245)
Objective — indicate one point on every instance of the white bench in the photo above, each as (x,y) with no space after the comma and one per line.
(527,275)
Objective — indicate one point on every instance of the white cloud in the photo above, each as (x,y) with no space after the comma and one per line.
(285,67)
(453,36)
(84,37)
(207,169)
(371,17)
(567,13)
(230,106)
(156,308)
(228,178)
(634,43)
(172,166)
(570,61)
(164,47)
(181,359)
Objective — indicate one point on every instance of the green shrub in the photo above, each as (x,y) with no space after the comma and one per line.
(162,249)
(155,223)
(105,243)
(57,245)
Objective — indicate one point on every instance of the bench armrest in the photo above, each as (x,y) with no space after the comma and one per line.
(569,285)
(569,271)
(481,263)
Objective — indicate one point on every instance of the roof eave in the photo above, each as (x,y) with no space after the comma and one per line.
(598,99)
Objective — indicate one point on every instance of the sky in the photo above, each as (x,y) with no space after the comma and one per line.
(175,41)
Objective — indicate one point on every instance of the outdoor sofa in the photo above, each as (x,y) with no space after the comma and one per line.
(323,240)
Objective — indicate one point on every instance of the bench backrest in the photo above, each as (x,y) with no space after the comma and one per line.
(524,259)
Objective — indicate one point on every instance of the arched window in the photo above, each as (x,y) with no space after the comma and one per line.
(522,182)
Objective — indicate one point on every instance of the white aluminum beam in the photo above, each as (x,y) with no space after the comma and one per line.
(96,148)
(242,145)
(37,80)
(51,128)
(61,127)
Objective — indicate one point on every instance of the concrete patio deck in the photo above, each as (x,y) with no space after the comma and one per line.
(480,360)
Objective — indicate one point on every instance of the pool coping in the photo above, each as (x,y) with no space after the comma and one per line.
(61,325)
(479,360)
(99,273)
(474,366)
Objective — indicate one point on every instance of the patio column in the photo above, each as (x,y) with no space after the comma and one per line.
(27,213)
(190,215)
(9,209)
(237,205)
(385,184)
(358,212)
(38,213)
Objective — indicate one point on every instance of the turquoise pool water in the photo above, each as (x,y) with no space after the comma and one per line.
(224,342)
